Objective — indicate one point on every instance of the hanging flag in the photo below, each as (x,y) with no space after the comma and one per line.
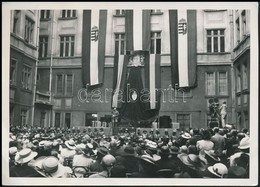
(93,46)
(120,69)
(183,47)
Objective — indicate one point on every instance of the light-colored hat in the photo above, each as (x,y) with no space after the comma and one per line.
(244,143)
(80,148)
(50,167)
(218,169)
(25,156)
(186,135)
(70,144)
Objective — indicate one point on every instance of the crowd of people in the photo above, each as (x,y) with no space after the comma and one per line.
(131,153)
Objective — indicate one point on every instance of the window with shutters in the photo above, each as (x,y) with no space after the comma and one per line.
(120,43)
(67,46)
(155,43)
(215,40)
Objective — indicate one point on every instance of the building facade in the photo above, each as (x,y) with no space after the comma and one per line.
(58,99)
(23,57)
(241,63)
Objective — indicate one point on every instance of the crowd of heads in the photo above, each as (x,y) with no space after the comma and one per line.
(129,153)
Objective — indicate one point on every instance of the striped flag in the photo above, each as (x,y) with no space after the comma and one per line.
(120,69)
(93,46)
(183,47)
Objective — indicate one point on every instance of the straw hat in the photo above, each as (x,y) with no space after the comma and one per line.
(25,156)
(50,167)
(186,135)
(70,144)
(218,169)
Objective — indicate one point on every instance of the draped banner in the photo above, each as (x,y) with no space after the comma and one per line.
(183,47)
(140,78)
(93,46)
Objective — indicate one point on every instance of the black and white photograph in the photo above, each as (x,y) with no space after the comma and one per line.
(128,93)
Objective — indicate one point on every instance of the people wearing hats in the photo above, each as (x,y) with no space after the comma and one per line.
(96,166)
(166,162)
(210,158)
(205,144)
(192,167)
(128,159)
(194,138)
(22,168)
(219,142)
(107,163)
(50,167)
(218,170)
(244,146)
(12,153)
(81,160)
(67,153)
(148,168)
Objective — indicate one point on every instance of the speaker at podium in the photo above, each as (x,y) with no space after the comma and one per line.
(165,122)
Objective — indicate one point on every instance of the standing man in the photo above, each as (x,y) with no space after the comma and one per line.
(223,113)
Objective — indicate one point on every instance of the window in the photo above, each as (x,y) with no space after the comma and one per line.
(24,117)
(222,82)
(59,84)
(120,12)
(215,41)
(45,14)
(16,21)
(27,77)
(67,46)
(43,119)
(238,79)
(13,72)
(238,30)
(64,84)
(67,120)
(245,76)
(68,13)
(69,85)
(243,14)
(184,120)
(43,46)
(155,43)
(120,43)
(28,30)
(57,119)
(217,83)
(210,83)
